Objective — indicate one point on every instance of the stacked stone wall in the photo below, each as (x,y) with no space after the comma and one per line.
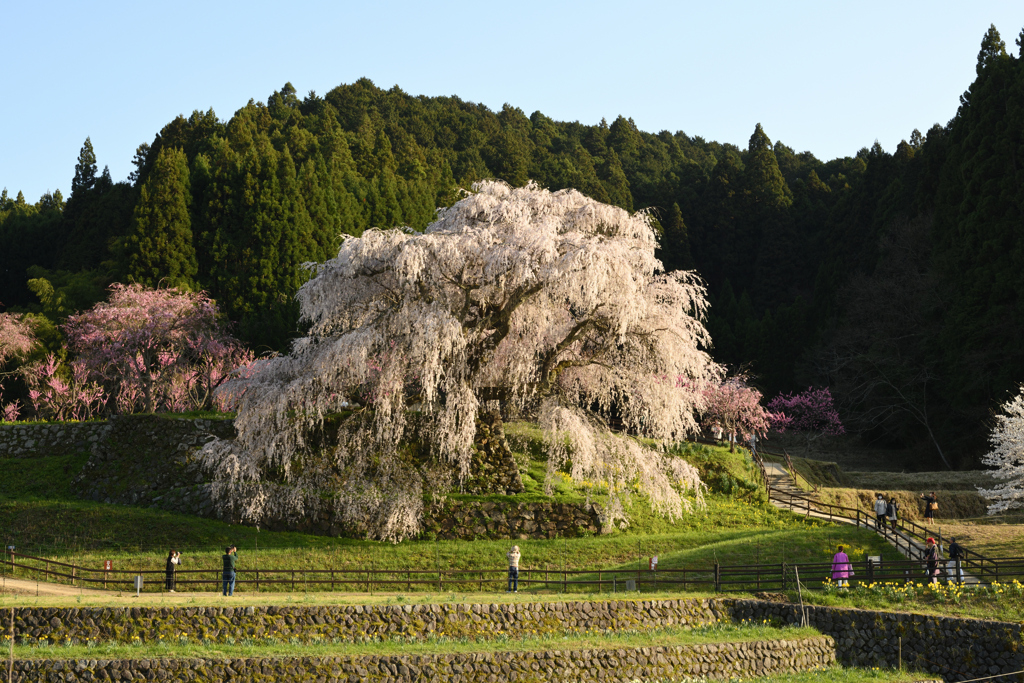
(354,622)
(722,660)
(957,649)
(59,438)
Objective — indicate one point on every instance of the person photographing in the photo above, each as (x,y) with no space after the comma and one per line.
(931,504)
(230,560)
(173,560)
(513,570)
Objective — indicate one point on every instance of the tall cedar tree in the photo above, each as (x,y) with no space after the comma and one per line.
(160,250)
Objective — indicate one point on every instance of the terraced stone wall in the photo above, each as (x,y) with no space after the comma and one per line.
(723,660)
(957,649)
(40,440)
(354,622)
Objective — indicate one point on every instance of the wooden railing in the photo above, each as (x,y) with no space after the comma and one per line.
(718,577)
(909,537)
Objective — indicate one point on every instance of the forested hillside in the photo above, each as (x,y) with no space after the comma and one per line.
(894,278)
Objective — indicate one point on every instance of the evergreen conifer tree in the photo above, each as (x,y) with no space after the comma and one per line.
(160,248)
(85,169)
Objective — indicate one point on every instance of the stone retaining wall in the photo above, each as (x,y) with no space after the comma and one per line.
(957,649)
(39,440)
(352,622)
(473,520)
(721,660)
(143,460)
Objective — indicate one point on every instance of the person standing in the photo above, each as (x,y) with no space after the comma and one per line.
(173,560)
(931,560)
(892,511)
(931,504)
(230,560)
(841,569)
(513,570)
(954,567)
(881,511)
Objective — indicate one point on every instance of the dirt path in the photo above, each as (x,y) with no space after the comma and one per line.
(26,587)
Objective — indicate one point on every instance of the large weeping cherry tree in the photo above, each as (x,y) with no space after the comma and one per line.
(542,304)
(1007,457)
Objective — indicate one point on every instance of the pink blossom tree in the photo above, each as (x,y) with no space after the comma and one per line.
(735,407)
(154,348)
(16,336)
(62,393)
(16,339)
(812,413)
(546,305)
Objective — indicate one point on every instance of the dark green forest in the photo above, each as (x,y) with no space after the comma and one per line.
(895,278)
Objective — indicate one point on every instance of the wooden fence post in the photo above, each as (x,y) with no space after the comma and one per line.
(718,578)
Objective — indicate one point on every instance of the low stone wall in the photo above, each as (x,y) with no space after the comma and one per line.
(352,622)
(39,440)
(957,649)
(722,660)
(144,460)
(471,520)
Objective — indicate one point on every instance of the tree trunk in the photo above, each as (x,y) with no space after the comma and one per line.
(494,469)
(147,393)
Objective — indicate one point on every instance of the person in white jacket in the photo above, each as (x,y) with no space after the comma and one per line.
(881,507)
(513,570)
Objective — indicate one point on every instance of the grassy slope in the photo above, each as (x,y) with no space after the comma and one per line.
(958,496)
(737,526)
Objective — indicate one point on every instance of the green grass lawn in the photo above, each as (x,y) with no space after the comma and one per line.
(839,674)
(787,538)
(737,526)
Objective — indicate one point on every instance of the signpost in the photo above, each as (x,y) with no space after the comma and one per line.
(107,566)
(138,585)
(654,570)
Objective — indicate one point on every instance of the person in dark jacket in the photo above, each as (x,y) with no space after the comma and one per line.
(173,560)
(931,504)
(892,511)
(230,560)
(956,557)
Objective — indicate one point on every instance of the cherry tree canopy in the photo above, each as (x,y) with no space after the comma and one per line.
(735,408)
(549,305)
(1007,457)
(16,336)
(154,348)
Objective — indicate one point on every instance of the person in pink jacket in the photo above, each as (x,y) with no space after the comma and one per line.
(841,569)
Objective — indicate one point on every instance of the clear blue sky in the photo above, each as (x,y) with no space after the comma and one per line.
(826,77)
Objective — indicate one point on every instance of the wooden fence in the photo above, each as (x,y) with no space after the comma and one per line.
(718,578)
